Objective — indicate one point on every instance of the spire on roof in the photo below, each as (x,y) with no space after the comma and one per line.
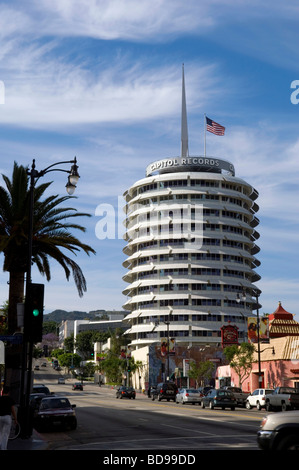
(184,127)
(281,313)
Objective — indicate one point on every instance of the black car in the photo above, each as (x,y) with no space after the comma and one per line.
(34,401)
(55,411)
(77,386)
(41,389)
(125,392)
(218,398)
(165,391)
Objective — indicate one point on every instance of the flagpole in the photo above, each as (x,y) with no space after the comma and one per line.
(205,127)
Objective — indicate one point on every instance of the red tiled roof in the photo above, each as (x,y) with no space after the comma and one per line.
(280,312)
(282,323)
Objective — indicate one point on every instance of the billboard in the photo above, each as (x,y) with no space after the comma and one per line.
(164,346)
(252,329)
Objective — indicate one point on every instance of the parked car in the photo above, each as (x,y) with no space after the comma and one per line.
(188,395)
(55,411)
(205,390)
(151,390)
(61,380)
(279,431)
(40,388)
(239,395)
(165,391)
(283,398)
(125,392)
(258,398)
(77,386)
(34,401)
(219,398)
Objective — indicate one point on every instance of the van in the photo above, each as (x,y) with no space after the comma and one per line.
(165,391)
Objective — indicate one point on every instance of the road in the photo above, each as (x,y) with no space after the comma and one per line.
(107,423)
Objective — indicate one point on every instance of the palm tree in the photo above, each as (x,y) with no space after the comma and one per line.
(51,235)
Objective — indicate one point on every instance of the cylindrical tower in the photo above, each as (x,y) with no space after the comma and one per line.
(191,245)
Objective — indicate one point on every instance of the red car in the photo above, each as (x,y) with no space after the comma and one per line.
(55,411)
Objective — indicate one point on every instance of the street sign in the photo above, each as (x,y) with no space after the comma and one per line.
(16,339)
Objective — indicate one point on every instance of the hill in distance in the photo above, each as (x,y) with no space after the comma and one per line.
(95,315)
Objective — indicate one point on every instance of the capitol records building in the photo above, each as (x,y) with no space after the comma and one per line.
(191,253)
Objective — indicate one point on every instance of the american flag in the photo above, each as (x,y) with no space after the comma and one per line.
(214,127)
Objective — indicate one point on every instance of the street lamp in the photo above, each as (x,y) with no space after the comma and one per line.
(166,322)
(255,293)
(34,174)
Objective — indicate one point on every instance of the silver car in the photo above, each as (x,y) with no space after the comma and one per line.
(188,395)
(279,431)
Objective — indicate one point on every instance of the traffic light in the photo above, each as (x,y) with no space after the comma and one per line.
(34,307)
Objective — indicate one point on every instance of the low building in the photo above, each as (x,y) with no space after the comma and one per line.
(158,367)
(279,366)
(279,358)
(74,327)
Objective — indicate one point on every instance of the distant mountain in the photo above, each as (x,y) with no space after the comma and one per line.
(60,315)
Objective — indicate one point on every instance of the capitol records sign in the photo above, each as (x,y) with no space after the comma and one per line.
(229,335)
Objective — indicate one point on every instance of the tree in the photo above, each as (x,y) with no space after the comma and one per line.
(112,367)
(51,234)
(50,327)
(70,360)
(240,358)
(69,343)
(3,318)
(84,344)
(200,372)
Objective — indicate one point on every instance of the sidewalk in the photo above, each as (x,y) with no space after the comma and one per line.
(35,442)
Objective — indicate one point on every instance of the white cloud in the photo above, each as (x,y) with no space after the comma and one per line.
(45,91)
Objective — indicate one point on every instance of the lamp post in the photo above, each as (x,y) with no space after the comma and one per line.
(25,389)
(167,323)
(255,293)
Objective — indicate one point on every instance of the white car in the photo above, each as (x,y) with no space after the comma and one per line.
(61,380)
(257,398)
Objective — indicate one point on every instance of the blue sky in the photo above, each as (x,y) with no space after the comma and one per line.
(102,80)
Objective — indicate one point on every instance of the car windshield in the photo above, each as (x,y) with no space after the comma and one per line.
(192,390)
(54,403)
(224,393)
(170,386)
(40,389)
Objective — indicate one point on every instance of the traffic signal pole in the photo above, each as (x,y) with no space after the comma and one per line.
(33,300)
